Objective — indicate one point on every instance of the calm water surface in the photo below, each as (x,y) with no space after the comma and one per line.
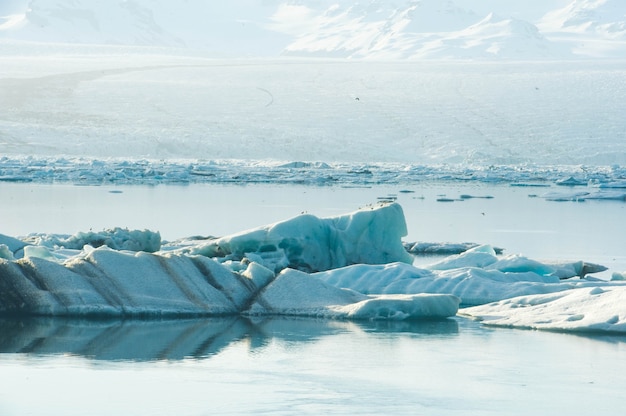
(514,219)
(303,366)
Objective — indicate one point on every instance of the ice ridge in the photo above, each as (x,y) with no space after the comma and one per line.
(86,171)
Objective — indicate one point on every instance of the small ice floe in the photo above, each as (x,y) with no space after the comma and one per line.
(116,238)
(462,197)
(571,181)
(585,309)
(617,276)
(15,178)
(387,199)
(425,248)
(565,196)
(584,196)
(613,184)
(467,196)
(530,185)
(607,195)
(302,165)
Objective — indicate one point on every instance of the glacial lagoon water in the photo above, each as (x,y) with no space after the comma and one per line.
(304,366)
(514,218)
(307,366)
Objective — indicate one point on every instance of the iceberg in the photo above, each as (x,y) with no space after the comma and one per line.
(188,282)
(112,283)
(348,267)
(308,243)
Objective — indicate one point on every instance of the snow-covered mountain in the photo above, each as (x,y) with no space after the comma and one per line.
(377,29)
(603,18)
(589,27)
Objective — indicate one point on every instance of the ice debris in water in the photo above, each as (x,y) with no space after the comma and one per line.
(120,171)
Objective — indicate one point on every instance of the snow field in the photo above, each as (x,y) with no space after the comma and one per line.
(427,113)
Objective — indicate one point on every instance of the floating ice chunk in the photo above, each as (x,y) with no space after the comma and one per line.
(38,251)
(108,282)
(468,196)
(607,195)
(481,256)
(614,184)
(566,270)
(571,181)
(473,285)
(5,253)
(583,309)
(13,244)
(617,276)
(563,270)
(297,293)
(371,235)
(115,238)
(300,165)
(399,307)
(520,264)
(565,196)
(584,196)
(442,248)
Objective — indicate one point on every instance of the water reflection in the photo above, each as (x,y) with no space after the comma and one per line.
(152,340)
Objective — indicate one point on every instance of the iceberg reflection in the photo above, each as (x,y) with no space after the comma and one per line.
(177,339)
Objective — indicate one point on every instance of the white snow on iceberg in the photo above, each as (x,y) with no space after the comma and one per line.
(296,293)
(473,285)
(598,309)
